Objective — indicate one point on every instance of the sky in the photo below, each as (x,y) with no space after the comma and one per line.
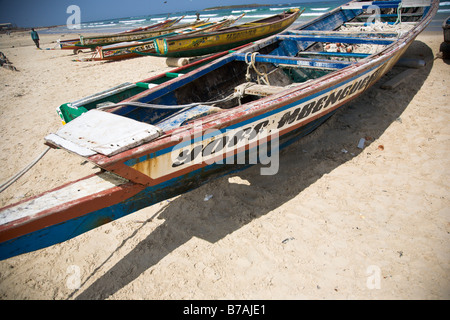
(40,13)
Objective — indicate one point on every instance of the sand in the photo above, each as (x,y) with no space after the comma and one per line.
(336,222)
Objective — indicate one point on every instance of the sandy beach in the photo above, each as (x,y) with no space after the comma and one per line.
(336,222)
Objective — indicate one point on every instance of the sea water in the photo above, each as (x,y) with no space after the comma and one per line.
(312,10)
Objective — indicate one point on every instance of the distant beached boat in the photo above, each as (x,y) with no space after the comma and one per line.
(199,44)
(154,30)
(125,50)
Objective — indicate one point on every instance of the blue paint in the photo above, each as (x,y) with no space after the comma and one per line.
(300,62)
(353,40)
(336,54)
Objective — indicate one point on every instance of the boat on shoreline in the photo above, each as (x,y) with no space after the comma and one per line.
(226,115)
(157,29)
(204,43)
(126,50)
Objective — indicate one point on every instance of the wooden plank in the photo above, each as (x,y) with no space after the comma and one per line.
(102,132)
(334,54)
(353,40)
(358,34)
(365,24)
(73,192)
(258,89)
(398,79)
(297,62)
(386,4)
(391,15)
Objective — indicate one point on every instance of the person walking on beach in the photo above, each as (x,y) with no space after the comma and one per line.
(35,37)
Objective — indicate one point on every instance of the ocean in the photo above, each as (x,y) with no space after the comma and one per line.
(312,10)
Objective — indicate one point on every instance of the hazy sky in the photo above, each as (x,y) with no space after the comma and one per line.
(36,13)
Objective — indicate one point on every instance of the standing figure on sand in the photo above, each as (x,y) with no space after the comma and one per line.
(35,37)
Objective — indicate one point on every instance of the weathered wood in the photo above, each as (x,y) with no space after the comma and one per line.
(258,89)
(333,54)
(386,4)
(73,192)
(353,34)
(398,79)
(365,24)
(299,62)
(177,62)
(102,132)
(331,38)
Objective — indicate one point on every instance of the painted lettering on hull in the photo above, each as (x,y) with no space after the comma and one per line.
(219,144)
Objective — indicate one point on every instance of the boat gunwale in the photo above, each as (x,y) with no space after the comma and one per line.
(72,209)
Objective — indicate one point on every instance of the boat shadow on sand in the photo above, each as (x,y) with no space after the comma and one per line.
(234,205)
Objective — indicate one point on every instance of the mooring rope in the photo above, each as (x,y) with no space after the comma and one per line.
(15,177)
(399,14)
(260,75)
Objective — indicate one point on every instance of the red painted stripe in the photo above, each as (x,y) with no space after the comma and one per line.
(68,211)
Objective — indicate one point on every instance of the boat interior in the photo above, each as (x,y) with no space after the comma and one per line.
(329,43)
(291,58)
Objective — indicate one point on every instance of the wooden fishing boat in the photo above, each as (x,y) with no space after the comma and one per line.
(224,116)
(76,43)
(136,48)
(157,29)
(215,41)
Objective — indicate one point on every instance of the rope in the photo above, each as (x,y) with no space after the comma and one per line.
(15,177)
(159,106)
(399,14)
(251,63)
(184,107)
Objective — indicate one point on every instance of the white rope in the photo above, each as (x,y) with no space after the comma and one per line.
(15,177)
(399,14)
(261,75)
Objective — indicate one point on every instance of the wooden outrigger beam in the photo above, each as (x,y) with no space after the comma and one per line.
(386,4)
(295,62)
(334,54)
(366,24)
(356,34)
(390,15)
(337,39)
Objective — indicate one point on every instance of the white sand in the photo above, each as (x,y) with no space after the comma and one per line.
(365,224)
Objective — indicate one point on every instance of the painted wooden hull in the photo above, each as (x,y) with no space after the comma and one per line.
(130,35)
(211,42)
(126,51)
(191,153)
